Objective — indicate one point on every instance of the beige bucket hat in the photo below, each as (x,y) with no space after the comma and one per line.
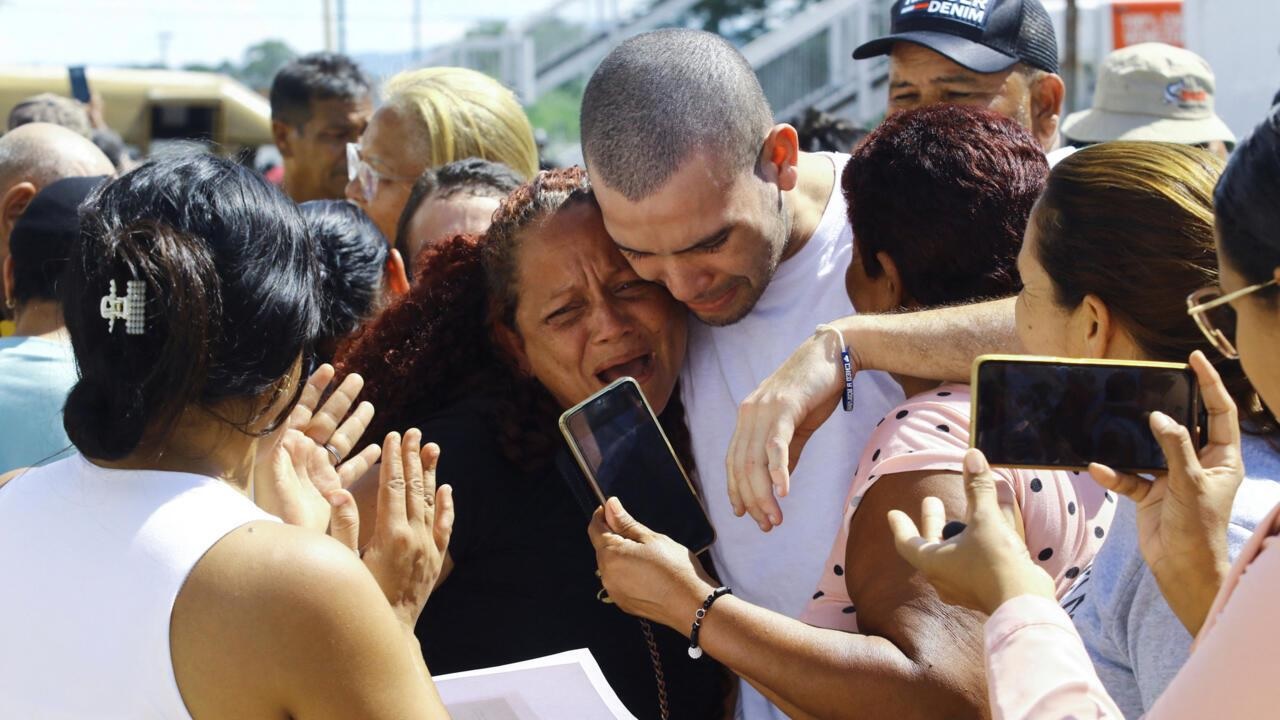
(1151,91)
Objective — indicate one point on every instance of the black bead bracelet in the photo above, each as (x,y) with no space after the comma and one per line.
(695,652)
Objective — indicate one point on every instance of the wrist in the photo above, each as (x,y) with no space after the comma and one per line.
(1191,592)
(1032,581)
(681,611)
(839,355)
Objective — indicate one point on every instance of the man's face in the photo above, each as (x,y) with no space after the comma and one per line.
(384,147)
(713,238)
(439,218)
(316,153)
(919,76)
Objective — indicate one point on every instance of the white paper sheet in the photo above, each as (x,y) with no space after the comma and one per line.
(567,685)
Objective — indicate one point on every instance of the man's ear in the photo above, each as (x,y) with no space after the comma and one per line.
(282,136)
(12,205)
(1047,94)
(397,276)
(512,345)
(780,155)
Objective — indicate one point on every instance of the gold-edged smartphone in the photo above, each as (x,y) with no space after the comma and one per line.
(623,452)
(1046,412)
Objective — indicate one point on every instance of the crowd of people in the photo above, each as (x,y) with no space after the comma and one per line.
(288,450)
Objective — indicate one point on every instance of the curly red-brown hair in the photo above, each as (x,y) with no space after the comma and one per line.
(421,350)
(435,345)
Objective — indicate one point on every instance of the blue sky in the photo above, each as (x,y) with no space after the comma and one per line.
(109,32)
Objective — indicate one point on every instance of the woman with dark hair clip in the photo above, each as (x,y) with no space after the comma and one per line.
(141,578)
(353,266)
(1036,664)
(498,336)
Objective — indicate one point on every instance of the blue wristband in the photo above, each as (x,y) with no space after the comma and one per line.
(848,380)
(846,362)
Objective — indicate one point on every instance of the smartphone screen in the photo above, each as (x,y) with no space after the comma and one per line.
(1056,414)
(622,448)
(79,83)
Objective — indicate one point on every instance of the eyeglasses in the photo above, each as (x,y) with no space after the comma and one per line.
(358,169)
(1215,317)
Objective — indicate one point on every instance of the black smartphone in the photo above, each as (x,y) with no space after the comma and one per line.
(1041,412)
(623,452)
(79,83)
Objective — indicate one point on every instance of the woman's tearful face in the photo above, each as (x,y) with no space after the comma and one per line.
(585,319)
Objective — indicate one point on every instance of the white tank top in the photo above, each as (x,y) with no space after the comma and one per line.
(91,561)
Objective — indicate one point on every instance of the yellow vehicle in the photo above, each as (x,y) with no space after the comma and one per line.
(146,106)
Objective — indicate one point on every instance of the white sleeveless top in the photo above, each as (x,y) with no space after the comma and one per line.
(91,561)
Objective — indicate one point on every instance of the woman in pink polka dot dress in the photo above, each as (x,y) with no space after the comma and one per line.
(1064,515)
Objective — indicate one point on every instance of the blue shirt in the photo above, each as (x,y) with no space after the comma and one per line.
(1136,642)
(35,377)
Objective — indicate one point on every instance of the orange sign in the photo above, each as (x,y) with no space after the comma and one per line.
(1139,22)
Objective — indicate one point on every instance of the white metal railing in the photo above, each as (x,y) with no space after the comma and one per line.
(804,61)
(564,42)
(808,60)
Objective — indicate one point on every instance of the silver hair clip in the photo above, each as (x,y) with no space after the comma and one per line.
(131,307)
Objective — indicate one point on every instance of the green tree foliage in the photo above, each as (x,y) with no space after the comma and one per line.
(262,61)
(256,68)
(556,112)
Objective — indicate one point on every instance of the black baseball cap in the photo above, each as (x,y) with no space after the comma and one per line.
(43,235)
(984,36)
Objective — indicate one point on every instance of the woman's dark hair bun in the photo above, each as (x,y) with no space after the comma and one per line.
(104,421)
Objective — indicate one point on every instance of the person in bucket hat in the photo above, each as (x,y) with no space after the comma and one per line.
(1152,91)
(997,54)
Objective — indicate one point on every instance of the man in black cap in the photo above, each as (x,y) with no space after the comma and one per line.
(33,156)
(998,54)
(37,368)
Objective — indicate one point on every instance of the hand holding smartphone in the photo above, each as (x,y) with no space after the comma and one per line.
(1042,412)
(623,452)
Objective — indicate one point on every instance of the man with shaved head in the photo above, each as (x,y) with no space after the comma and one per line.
(33,156)
(704,193)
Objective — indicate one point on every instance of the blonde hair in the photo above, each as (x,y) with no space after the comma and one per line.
(464,113)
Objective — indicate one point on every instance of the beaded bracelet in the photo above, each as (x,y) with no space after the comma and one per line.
(846,361)
(695,652)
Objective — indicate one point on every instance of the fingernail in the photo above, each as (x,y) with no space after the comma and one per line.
(337,499)
(614,504)
(774,519)
(975,462)
(1160,421)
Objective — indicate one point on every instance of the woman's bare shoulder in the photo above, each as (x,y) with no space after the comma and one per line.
(269,595)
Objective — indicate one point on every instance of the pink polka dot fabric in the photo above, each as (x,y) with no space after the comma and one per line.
(1065,515)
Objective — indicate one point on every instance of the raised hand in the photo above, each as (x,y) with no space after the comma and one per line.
(775,422)
(333,426)
(414,521)
(985,563)
(294,482)
(646,573)
(1183,514)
